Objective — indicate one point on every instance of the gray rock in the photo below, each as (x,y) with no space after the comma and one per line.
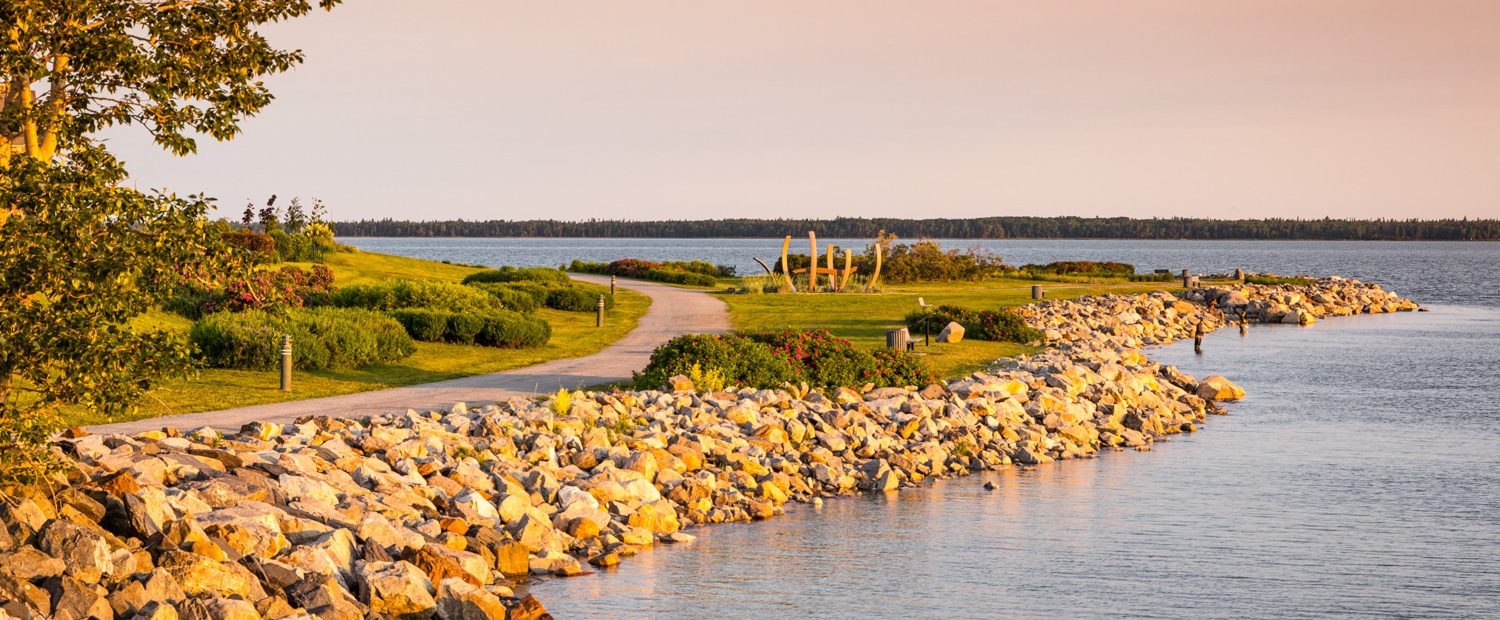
(84,552)
(396,589)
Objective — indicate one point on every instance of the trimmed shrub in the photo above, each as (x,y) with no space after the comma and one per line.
(422,323)
(511,297)
(443,296)
(322,338)
(513,330)
(464,327)
(571,296)
(518,274)
(493,328)
(647,270)
(739,360)
(1084,268)
(1000,325)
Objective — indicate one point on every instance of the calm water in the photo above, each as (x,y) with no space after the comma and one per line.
(1361,477)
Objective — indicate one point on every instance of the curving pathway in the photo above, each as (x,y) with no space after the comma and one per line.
(673,312)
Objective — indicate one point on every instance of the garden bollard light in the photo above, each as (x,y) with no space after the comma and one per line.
(599,320)
(286,363)
(611,285)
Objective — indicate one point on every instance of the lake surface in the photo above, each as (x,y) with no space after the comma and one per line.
(1360,477)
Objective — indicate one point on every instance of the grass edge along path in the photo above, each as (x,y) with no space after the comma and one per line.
(573,335)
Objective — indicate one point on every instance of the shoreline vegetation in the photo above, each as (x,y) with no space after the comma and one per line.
(429,358)
(443,513)
(1002,227)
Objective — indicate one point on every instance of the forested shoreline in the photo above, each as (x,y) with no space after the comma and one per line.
(1006,227)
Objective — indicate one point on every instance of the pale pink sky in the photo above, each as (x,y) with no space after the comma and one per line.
(693,109)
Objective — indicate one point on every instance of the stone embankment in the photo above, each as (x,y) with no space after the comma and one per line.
(436,513)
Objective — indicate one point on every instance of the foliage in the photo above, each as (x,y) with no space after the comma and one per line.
(570,296)
(70,69)
(1279,280)
(322,338)
(1004,227)
(259,245)
(519,274)
(646,270)
(512,298)
(739,360)
(87,255)
(923,261)
(770,359)
(562,402)
(289,286)
(492,328)
(711,380)
(699,266)
(1000,325)
(432,294)
(1083,267)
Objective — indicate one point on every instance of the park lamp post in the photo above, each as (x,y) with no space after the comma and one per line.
(926,321)
(286,363)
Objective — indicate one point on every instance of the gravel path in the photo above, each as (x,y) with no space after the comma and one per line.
(674,311)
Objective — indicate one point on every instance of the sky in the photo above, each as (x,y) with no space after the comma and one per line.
(479,109)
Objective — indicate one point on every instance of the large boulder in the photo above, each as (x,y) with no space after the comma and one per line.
(1218,388)
(952,332)
(396,589)
(84,552)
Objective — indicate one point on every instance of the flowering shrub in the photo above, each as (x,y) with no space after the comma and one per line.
(769,359)
(322,338)
(1000,325)
(287,287)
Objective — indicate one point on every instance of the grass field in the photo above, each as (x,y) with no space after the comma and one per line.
(573,335)
(864,318)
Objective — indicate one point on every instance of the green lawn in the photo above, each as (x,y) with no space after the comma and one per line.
(573,335)
(864,318)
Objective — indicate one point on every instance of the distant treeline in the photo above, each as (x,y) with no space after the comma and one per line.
(962,228)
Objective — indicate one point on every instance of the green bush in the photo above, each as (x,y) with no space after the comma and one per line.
(570,296)
(463,327)
(443,296)
(670,273)
(322,338)
(492,328)
(768,360)
(423,324)
(518,274)
(511,297)
(1000,325)
(513,330)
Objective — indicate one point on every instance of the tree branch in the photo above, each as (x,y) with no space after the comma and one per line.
(57,101)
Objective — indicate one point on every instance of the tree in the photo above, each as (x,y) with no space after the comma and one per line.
(269,221)
(295,217)
(81,255)
(176,67)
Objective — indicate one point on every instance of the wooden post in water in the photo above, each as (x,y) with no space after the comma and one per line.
(1239,274)
(1198,337)
(1036,291)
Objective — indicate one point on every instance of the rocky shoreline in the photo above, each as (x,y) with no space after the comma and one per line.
(436,513)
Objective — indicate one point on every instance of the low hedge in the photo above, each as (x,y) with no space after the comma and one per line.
(573,296)
(1000,325)
(322,338)
(496,328)
(670,273)
(518,274)
(396,294)
(770,359)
